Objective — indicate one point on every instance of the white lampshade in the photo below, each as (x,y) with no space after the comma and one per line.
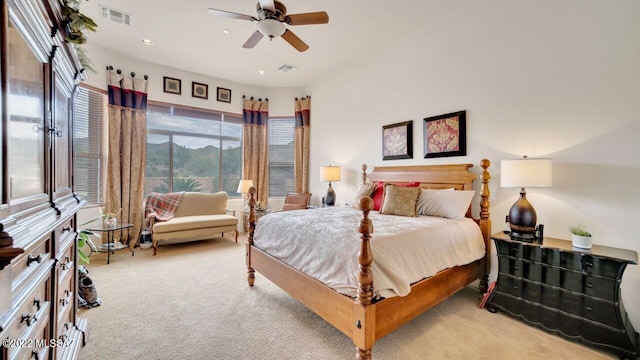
(330,173)
(244,185)
(525,173)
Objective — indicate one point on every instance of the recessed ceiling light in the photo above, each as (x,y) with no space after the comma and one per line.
(147,42)
(226,31)
(260,72)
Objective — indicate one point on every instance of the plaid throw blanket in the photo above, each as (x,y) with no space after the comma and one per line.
(161,207)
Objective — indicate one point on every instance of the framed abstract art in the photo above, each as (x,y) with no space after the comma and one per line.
(397,141)
(445,135)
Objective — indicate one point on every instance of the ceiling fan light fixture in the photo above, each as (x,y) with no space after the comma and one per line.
(271,28)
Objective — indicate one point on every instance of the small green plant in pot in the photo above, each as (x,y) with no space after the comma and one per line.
(580,237)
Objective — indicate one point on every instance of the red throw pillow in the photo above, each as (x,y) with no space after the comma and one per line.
(378,194)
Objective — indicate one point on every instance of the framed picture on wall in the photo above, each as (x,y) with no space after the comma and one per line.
(397,141)
(172,85)
(199,90)
(224,95)
(445,135)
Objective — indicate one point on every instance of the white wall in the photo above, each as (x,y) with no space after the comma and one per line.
(281,100)
(554,79)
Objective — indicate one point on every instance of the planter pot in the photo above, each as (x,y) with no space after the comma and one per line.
(582,242)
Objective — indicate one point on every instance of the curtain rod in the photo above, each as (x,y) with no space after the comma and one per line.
(260,99)
(109,67)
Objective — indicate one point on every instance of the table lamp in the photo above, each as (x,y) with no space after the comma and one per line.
(524,173)
(243,188)
(330,173)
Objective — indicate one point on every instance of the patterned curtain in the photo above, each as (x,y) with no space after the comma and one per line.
(127,151)
(255,116)
(301,144)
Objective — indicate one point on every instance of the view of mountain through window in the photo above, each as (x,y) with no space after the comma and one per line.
(189,150)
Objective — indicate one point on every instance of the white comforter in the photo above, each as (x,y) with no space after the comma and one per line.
(324,244)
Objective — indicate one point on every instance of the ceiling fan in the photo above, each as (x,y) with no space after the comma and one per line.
(272,15)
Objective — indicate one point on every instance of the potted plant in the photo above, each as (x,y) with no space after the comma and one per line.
(580,237)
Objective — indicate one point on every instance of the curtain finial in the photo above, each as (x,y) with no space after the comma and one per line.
(146,77)
(133,74)
(244,96)
(266,99)
(119,71)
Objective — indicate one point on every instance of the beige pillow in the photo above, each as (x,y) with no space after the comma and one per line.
(400,200)
(445,203)
(364,190)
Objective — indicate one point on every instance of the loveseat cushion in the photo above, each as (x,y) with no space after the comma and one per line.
(195,203)
(194,222)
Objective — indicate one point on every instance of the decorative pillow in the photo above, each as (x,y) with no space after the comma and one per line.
(401,201)
(445,203)
(364,190)
(378,195)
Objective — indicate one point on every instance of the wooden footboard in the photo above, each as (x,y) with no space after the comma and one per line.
(362,319)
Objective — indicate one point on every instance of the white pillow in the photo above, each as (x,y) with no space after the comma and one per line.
(445,203)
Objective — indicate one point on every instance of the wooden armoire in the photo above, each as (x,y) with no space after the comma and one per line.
(38,255)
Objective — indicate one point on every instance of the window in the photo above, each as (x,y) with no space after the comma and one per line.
(89,119)
(281,156)
(191,150)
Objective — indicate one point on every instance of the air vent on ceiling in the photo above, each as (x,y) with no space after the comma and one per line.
(116,16)
(287,68)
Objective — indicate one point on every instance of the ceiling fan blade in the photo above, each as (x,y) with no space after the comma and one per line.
(295,41)
(253,40)
(268,5)
(320,17)
(229,14)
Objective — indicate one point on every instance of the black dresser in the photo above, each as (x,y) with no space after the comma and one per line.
(567,291)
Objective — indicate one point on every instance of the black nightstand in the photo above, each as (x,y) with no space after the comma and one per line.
(567,291)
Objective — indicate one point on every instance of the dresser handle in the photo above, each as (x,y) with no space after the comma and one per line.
(589,285)
(28,319)
(589,263)
(35,355)
(515,286)
(516,267)
(67,292)
(64,302)
(65,229)
(32,258)
(36,303)
(589,308)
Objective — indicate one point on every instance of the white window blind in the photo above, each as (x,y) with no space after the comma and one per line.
(281,156)
(89,119)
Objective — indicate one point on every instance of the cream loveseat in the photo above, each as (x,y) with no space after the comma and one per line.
(199,216)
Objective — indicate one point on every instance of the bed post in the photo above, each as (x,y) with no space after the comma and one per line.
(251,277)
(365,259)
(485,222)
(364,174)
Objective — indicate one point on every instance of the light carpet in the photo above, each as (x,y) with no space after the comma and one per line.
(192,301)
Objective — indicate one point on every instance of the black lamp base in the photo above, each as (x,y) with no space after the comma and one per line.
(522,219)
(331,196)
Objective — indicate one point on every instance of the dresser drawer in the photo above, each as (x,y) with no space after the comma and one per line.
(510,285)
(569,325)
(66,295)
(602,312)
(65,259)
(519,250)
(601,287)
(603,267)
(24,266)
(31,321)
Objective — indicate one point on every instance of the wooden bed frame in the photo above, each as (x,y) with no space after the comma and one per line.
(362,319)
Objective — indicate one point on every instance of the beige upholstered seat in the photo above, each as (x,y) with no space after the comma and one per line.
(199,216)
(295,201)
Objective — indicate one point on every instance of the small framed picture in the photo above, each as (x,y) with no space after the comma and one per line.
(172,85)
(397,141)
(199,90)
(445,135)
(224,95)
